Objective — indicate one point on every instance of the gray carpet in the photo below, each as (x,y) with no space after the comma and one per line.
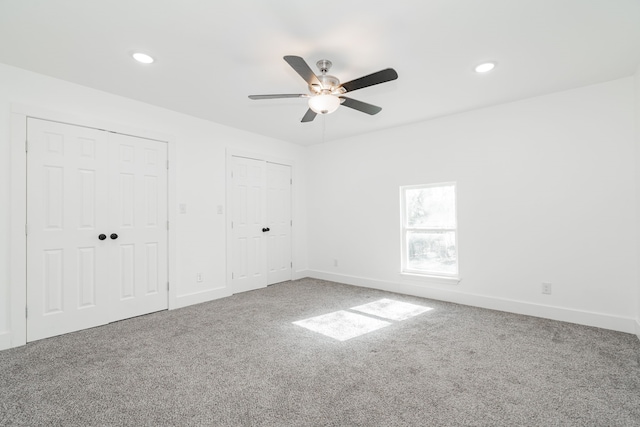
(240,361)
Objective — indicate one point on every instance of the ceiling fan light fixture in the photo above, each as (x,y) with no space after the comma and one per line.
(324,104)
(485,67)
(142,58)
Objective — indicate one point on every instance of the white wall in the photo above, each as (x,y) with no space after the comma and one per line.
(200,147)
(637,110)
(546,190)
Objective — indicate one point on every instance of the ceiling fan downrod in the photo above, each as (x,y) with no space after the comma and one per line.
(324,65)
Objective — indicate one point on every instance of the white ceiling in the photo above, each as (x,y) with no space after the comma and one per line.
(211,54)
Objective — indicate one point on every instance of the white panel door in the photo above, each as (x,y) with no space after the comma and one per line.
(67,176)
(137,225)
(279,223)
(248,219)
(97,227)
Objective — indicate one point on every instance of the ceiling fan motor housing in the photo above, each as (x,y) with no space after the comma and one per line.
(329,83)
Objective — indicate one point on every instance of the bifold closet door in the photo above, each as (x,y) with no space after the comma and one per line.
(260,223)
(67,263)
(97,227)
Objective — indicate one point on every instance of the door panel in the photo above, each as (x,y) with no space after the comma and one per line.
(279,223)
(67,174)
(53,282)
(87,273)
(138,216)
(248,220)
(153,269)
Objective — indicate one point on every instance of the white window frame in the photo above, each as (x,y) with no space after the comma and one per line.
(404,229)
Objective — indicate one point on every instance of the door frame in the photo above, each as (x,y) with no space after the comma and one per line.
(17,315)
(230,153)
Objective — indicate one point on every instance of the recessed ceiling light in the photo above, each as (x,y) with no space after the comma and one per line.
(487,66)
(142,57)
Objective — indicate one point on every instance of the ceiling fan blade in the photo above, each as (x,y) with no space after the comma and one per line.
(360,106)
(385,75)
(281,95)
(303,69)
(309,116)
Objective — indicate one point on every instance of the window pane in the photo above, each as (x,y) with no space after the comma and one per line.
(432,251)
(431,207)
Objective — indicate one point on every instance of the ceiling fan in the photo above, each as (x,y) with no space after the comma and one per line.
(325,91)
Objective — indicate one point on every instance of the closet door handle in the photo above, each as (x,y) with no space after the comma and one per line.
(113,236)
(102,237)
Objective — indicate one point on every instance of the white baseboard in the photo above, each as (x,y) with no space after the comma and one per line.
(204,296)
(600,320)
(300,274)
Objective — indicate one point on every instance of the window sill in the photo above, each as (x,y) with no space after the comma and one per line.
(440,280)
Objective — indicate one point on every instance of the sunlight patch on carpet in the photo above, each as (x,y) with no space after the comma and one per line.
(342,325)
(392,310)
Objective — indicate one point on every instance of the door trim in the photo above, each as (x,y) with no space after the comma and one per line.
(18,213)
(229,188)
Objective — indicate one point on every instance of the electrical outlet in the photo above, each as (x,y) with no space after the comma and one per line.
(335,262)
(220,210)
(199,277)
(546,288)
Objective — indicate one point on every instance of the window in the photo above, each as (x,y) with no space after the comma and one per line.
(429,230)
